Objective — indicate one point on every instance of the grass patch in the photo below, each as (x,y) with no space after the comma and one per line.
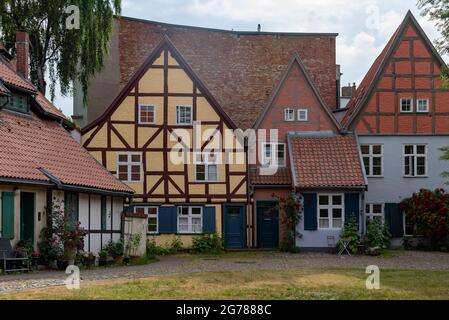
(294,284)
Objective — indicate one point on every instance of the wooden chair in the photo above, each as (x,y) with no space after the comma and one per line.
(9,261)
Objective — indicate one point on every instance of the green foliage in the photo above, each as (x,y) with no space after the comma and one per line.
(377,235)
(68,55)
(429,212)
(115,249)
(133,244)
(290,209)
(24,248)
(208,243)
(176,245)
(153,249)
(350,233)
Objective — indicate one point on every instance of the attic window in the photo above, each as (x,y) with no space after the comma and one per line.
(289,114)
(18,102)
(303,115)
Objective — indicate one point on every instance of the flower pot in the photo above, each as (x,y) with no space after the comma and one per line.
(119,260)
(70,255)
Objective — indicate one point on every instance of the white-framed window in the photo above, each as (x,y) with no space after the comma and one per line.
(184,115)
(273,154)
(372,155)
(153,218)
(289,114)
(129,167)
(303,115)
(206,167)
(330,211)
(374,211)
(406,105)
(422,105)
(415,160)
(190,219)
(147,114)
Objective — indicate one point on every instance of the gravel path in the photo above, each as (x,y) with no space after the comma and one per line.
(180,264)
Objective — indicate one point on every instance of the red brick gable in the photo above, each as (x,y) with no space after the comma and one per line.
(240,69)
(296,90)
(408,67)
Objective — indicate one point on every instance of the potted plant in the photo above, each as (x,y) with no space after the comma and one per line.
(103,258)
(116,251)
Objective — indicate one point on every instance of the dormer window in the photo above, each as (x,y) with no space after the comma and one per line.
(303,115)
(18,102)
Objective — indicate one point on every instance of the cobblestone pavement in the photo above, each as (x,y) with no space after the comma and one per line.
(180,264)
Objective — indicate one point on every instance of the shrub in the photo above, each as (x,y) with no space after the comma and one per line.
(291,208)
(208,243)
(153,249)
(429,212)
(377,235)
(176,246)
(350,233)
(115,249)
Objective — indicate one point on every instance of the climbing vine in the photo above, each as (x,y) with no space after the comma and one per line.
(291,207)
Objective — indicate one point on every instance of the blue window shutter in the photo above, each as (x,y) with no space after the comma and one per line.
(352,206)
(310,211)
(8,215)
(209,220)
(167,219)
(394,219)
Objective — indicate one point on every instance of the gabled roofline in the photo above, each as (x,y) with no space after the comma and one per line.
(296,58)
(165,42)
(250,33)
(397,37)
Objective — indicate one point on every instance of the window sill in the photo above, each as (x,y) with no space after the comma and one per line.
(381,177)
(415,177)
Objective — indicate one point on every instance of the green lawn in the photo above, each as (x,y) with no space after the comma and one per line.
(260,284)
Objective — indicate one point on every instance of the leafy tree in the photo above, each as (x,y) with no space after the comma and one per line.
(445,156)
(68,54)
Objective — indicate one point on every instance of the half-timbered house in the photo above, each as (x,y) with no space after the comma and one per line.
(167,137)
(401,113)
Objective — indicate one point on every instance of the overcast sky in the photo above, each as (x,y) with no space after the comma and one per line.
(364,26)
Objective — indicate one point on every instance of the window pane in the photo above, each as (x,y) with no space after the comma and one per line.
(139,210)
(212,174)
(200,172)
(408,149)
(196,211)
(324,213)
(324,223)
(366,163)
(123,158)
(135,158)
(377,149)
(377,208)
(377,171)
(324,200)
(421,149)
(336,213)
(337,223)
(365,149)
(152,228)
(336,200)
(367,208)
(123,173)
(184,210)
(152,211)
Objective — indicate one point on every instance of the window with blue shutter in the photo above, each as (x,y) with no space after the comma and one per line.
(310,211)
(167,220)
(209,220)
(394,219)
(352,206)
(8,215)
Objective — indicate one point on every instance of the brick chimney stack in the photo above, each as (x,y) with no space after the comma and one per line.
(23,54)
(349,91)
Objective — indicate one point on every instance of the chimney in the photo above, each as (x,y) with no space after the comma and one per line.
(348,91)
(23,54)
(259,27)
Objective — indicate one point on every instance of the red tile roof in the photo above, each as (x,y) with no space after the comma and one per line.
(326,161)
(10,77)
(48,106)
(282,178)
(29,144)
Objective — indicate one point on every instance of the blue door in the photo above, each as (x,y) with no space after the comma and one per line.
(234,221)
(267,225)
